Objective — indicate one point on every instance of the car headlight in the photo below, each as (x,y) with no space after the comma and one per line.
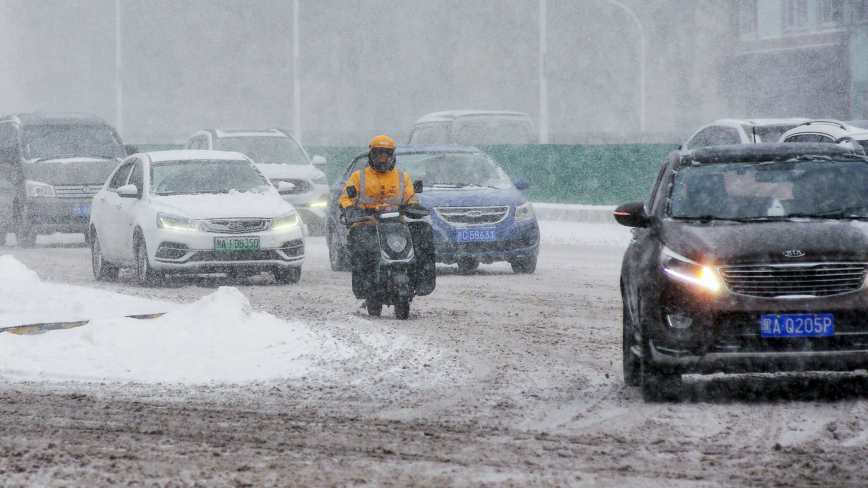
(524,212)
(285,221)
(322,202)
(684,269)
(37,189)
(396,242)
(321,180)
(169,221)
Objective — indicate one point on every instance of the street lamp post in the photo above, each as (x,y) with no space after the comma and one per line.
(119,107)
(296,83)
(641,61)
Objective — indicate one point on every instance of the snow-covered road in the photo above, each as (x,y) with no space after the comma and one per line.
(496,379)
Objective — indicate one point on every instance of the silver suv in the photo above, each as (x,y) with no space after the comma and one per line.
(472,128)
(740,131)
(281,159)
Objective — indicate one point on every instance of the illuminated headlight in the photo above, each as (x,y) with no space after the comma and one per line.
(684,269)
(321,180)
(397,243)
(36,189)
(524,212)
(322,202)
(169,221)
(285,221)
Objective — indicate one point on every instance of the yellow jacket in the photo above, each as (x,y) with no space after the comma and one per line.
(380,189)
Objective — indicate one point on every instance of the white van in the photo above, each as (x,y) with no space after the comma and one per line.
(472,128)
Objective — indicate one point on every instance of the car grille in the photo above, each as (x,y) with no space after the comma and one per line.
(472,215)
(819,280)
(77,191)
(236,226)
(301,186)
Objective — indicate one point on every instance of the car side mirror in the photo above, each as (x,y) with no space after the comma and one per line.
(522,184)
(632,215)
(352,192)
(318,161)
(418,186)
(128,191)
(285,186)
(130,149)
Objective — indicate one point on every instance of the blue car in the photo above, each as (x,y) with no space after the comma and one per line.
(478,214)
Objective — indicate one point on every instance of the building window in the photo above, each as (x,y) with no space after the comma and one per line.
(830,13)
(795,15)
(747,23)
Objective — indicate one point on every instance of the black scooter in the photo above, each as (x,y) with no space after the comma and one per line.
(397,273)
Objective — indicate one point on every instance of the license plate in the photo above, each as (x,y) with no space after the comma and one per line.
(475,235)
(81,210)
(798,325)
(236,243)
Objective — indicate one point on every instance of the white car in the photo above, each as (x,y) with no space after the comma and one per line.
(740,131)
(280,158)
(193,212)
(823,130)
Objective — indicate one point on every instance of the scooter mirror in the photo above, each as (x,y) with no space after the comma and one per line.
(417,186)
(352,192)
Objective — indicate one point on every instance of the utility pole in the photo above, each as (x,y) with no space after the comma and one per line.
(119,106)
(543,83)
(296,83)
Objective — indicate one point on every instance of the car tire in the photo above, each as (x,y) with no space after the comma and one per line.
(524,265)
(402,309)
(287,276)
(658,384)
(374,308)
(147,276)
(467,265)
(339,258)
(102,271)
(25,235)
(632,368)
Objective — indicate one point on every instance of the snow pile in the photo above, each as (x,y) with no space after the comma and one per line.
(584,234)
(217,339)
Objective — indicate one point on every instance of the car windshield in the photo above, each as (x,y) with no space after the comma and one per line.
(768,133)
(492,132)
(205,176)
(452,170)
(774,190)
(264,149)
(52,141)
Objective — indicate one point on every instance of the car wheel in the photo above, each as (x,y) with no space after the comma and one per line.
(402,309)
(524,265)
(632,369)
(374,308)
(147,276)
(287,275)
(467,265)
(338,256)
(25,235)
(658,384)
(102,271)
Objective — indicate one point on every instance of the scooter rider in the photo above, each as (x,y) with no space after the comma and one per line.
(377,185)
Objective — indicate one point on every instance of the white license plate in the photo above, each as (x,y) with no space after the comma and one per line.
(475,235)
(798,325)
(236,243)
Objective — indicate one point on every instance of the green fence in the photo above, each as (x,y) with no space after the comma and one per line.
(590,174)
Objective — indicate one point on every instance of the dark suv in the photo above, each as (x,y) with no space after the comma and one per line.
(749,258)
(51,165)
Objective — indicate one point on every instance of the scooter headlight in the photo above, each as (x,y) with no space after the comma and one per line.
(396,243)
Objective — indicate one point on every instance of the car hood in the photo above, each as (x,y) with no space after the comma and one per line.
(762,242)
(71,171)
(224,205)
(303,171)
(470,197)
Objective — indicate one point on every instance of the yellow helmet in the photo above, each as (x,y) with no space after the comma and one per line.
(381,157)
(385,142)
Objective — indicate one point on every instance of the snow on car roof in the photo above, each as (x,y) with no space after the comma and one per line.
(248,133)
(193,155)
(785,121)
(452,114)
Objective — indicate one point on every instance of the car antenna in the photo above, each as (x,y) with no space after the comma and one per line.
(753,129)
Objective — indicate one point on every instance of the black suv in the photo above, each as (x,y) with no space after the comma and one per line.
(749,258)
(51,165)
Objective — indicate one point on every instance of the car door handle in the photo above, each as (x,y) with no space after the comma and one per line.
(118,205)
(102,199)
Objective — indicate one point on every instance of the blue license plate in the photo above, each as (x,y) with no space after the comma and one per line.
(475,235)
(798,325)
(81,210)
